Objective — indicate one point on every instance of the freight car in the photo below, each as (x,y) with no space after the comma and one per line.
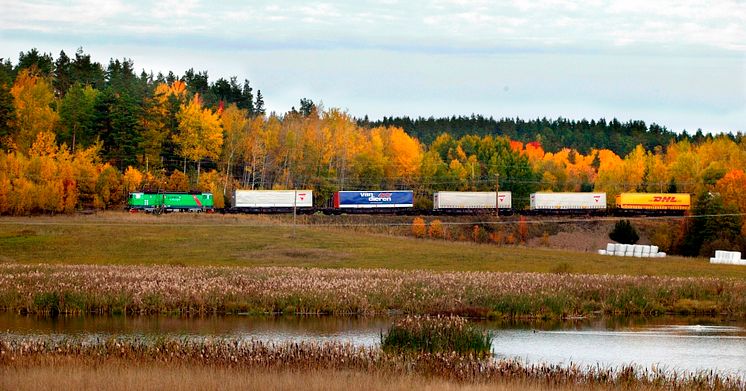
(272,201)
(465,202)
(171,202)
(379,201)
(568,203)
(653,203)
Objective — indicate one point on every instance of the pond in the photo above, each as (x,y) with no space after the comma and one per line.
(686,344)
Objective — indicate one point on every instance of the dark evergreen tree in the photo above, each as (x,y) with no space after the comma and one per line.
(259,104)
(197,83)
(247,98)
(624,232)
(63,74)
(307,107)
(87,72)
(118,124)
(7,111)
(42,61)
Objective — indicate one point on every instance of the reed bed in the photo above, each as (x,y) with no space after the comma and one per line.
(250,354)
(436,334)
(190,291)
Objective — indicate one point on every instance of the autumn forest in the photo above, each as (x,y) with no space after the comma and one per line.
(76,134)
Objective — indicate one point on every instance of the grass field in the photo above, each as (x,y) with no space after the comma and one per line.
(121,239)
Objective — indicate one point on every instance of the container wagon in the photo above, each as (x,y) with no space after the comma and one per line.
(373,201)
(471,201)
(653,203)
(568,202)
(271,201)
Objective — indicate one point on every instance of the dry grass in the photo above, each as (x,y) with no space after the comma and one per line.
(37,363)
(128,376)
(51,289)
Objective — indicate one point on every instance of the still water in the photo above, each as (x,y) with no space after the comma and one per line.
(685,344)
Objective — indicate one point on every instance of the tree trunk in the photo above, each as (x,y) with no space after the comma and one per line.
(199,164)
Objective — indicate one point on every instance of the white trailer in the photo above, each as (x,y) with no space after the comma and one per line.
(568,201)
(471,200)
(257,199)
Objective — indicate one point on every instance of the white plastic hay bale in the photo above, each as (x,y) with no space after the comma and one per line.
(653,249)
(601,252)
(610,247)
(661,255)
(619,254)
(620,248)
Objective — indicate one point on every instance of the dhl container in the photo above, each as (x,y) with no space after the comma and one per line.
(660,201)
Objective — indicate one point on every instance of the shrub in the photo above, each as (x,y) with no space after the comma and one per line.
(429,334)
(418,227)
(436,229)
(624,232)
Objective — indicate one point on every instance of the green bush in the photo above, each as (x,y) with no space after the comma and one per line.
(624,232)
(429,334)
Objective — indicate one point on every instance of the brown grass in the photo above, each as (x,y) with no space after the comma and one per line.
(126,376)
(52,289)
(33,353)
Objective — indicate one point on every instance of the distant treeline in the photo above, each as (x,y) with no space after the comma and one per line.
(552,134)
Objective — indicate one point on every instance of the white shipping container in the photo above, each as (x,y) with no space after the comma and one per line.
(272,198)
(471,200)
(550,201)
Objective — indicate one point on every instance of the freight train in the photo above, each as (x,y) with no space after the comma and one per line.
(402,202)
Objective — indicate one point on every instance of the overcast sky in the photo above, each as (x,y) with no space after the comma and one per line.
(681,64)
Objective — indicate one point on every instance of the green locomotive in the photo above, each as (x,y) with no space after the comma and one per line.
(158,202)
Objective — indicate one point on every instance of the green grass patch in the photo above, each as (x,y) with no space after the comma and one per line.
(226,240)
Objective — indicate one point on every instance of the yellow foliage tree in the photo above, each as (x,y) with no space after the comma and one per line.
(178,181)
(32,100)
(132,179)
(211,181)
(200,134)
(732,188)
